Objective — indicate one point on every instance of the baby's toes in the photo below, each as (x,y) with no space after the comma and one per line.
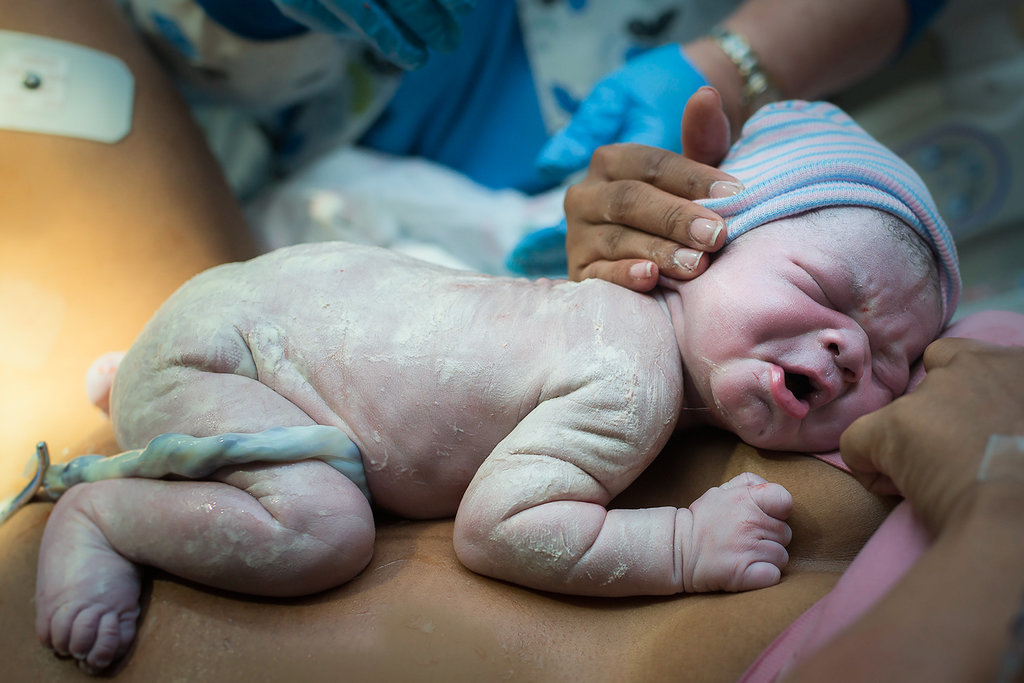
(54,625)
(100,635)
(94,634)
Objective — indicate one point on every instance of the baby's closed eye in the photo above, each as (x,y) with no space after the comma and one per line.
(891,369)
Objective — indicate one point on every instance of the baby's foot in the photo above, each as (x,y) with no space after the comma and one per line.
(87,595)
(738,536)
(99,379)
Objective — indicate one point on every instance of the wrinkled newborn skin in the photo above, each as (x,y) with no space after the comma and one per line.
(524,407)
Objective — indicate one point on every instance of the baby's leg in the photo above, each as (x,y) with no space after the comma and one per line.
(276,530)
(737,539)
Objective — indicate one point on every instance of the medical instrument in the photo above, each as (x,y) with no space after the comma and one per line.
(55,87)
(40,462)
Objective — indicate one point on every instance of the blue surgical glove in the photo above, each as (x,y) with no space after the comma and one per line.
(541,253)
(642,101)
(401,30)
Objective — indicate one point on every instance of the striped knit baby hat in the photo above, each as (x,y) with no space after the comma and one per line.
(798,156)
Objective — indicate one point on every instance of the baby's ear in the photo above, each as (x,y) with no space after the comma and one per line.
(99,379)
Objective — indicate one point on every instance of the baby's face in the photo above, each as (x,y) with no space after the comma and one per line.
(801,327)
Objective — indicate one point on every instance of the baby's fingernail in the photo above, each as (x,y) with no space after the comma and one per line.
(641,271)
(705,231)
(724,188)
(687,259)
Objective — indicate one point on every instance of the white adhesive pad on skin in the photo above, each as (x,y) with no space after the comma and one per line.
(50,86)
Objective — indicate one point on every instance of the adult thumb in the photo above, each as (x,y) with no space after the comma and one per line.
(706,134)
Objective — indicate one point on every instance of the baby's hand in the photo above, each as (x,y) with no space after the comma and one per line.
(738,536)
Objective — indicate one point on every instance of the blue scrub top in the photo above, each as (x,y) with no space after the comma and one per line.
(474,109)
(459,109)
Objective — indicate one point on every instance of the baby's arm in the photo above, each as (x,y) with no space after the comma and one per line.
(535,515)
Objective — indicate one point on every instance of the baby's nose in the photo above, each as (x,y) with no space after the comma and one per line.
(849,351)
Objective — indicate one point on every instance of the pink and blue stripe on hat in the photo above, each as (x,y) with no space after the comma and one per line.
(798,156)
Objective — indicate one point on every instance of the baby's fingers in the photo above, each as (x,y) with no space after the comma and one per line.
(773,499)
(761,575)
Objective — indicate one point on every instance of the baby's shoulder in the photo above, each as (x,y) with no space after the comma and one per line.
(621,333)
(626,318)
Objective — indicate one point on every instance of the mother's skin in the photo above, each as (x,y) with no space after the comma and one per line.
(135,219)
(96,235)
(416,609)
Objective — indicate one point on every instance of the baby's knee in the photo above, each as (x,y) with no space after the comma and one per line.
(337,552)
(334,525)
(80,500)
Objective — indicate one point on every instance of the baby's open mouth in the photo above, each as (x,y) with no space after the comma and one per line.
(791,391)
(800,385)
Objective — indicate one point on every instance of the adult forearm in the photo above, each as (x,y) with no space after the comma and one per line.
(950,617)
(807,48)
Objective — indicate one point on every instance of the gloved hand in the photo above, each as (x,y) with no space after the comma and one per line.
(642,101)
(401,30)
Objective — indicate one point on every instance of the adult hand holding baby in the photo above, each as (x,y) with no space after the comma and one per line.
(929,444)
(401,30)
(962,597)
(633,217)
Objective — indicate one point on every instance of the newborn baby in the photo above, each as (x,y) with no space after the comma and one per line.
(521,407)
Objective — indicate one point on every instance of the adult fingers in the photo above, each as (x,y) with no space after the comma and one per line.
(875,445)
(706,133)
(930,442)
(867,447)
(941,352)
(632,220)
(668,171)
(640,274)
(637,274)
(636,203)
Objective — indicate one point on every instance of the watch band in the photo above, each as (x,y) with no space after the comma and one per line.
(758,90)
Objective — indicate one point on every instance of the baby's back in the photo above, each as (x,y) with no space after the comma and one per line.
(425,368)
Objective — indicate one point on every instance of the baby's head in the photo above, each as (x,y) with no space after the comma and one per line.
(814,318)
